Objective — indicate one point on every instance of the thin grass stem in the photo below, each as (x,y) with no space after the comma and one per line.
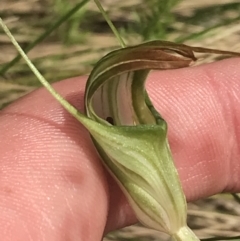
(71,109)
(113,28)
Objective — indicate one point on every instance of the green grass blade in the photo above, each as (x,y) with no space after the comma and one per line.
(44,35)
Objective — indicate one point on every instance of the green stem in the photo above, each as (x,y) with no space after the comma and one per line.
(72,110)
(184,234)
(110,23)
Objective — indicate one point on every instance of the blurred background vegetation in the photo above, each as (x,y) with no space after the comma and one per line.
(74,47)
(77,44)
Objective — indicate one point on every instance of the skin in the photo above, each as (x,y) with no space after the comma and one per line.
(52,183)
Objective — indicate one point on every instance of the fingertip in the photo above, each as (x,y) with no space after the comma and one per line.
(200,105)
